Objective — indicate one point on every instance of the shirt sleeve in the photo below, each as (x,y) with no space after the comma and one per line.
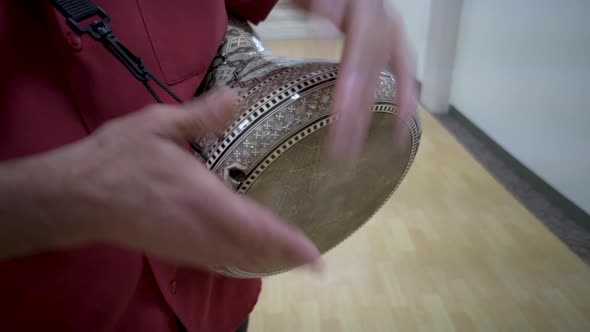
(254,11)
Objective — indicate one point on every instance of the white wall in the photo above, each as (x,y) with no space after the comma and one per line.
(522,74)
(285,22)
(416,16)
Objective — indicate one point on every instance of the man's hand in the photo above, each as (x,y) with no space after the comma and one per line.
(375,41)
(131,184)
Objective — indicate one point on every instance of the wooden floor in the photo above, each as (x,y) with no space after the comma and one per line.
(451,251)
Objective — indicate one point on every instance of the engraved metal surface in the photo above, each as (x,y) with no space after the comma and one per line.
(276,143)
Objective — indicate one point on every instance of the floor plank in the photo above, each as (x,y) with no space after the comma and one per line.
(452,250)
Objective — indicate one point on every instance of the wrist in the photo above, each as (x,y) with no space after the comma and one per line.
(38,208)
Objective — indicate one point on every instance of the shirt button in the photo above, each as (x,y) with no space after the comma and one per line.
(74,40)
(173,286)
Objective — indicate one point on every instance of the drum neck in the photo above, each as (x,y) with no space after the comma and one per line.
(247,36)
(239,58)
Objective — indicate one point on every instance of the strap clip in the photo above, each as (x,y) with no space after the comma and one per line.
(96,29)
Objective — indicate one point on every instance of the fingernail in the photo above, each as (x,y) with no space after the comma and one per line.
(317,266)
(305,253)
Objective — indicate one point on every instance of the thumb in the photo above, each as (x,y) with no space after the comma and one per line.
(210,113)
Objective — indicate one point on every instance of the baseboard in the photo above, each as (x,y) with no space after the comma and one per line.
(570,209)
(418,87)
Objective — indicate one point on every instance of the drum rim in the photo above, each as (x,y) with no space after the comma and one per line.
(274,99)
(231,137)
(415,132)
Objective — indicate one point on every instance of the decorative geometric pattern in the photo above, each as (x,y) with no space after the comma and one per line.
(386,89)
(265,103)
(302,133)
(278,80)
(274,128)
(281,101)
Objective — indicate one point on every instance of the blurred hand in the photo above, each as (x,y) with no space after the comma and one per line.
(375,41)
(131,184)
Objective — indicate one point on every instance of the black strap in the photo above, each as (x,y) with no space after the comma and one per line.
(77,11)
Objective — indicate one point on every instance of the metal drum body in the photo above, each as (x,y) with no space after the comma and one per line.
(274,151)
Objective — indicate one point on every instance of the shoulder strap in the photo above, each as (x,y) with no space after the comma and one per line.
(77,11)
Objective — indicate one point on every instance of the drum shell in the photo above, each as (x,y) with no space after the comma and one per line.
(282,102)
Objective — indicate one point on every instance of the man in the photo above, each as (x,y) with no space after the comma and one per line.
(107,223)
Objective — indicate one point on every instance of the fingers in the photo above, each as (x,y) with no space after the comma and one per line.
(267,239)
(207,114)
(363,58)
(252,232)
(401,65)
(246,233)
(374,41)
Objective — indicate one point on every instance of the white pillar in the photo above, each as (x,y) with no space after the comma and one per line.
(439,60)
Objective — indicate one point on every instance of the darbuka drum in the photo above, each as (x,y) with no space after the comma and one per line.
(274,151)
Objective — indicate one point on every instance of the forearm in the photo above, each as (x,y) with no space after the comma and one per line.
(33,208)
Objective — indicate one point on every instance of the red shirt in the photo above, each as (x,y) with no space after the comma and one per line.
(56,88)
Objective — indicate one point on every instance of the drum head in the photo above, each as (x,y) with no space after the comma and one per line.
(326,200)
(275,149)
